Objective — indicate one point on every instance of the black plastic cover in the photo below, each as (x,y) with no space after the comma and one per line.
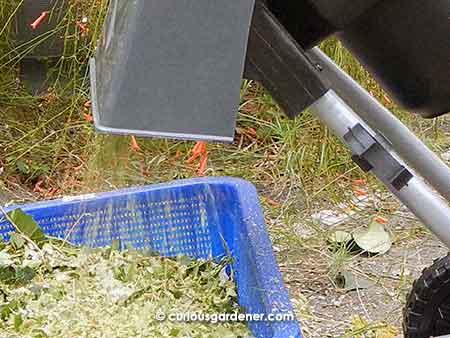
(405,44)
(311,21)
(340,13)
(303,21)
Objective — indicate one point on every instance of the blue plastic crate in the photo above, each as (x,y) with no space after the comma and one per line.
(203,218)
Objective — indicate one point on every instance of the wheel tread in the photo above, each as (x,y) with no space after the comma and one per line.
(422,299)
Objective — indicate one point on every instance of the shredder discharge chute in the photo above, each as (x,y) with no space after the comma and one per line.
(171,68)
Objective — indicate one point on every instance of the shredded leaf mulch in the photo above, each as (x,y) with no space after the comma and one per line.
(50,288)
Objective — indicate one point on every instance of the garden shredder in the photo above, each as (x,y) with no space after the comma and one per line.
(172,68)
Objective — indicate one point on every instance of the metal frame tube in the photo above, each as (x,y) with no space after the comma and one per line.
(402,140)
(427,205)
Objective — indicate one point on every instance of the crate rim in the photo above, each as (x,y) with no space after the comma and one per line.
(243,186)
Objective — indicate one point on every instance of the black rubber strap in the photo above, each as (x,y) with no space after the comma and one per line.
(369,154)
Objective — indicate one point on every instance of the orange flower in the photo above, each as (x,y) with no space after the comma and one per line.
(387,99)
(134,145)
(54,191)
(177,154)
(272,202)
(39,20)
(381,220)
(88,117)
(38,188)
(360,182)
(252,132)
(202,165)
(197,151)
(82,27)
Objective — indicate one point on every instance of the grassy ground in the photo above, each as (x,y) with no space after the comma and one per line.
(48,148)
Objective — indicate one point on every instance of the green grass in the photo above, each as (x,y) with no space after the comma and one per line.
(47,148)
(45,138)
(297,156)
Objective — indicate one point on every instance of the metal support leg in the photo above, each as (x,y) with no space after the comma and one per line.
(416,195)
(403,141)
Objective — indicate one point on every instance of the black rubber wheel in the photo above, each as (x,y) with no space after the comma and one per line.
(427,312)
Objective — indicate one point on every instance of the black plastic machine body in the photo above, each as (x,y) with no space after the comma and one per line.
(405,44)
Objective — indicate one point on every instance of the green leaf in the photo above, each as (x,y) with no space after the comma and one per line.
(27,225)
(17,241)
(340,237)
(23,167)
(7,309)
(20,275)
(38,333)
(177,293)
(24,275)
(4,295)
(7,274)
(342,240)
(375,239)
(41,168)
(132,272)
(174,332)
(18,321)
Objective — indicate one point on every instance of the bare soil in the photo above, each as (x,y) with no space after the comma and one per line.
(325,310)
